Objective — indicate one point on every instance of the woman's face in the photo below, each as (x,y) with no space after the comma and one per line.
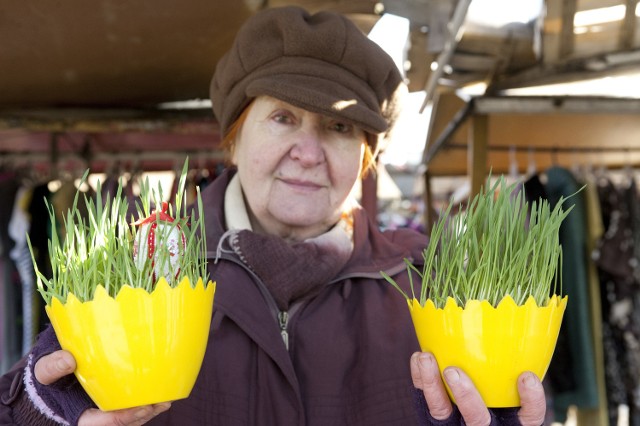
(296,168)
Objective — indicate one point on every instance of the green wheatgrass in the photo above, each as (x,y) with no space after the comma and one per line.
(491,250)
(97,248)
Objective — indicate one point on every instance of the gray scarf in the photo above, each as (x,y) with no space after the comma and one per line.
(291,272)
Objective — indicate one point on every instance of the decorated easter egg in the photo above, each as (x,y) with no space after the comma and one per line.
(160,241)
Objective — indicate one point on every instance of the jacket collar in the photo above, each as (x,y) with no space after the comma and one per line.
(235,209)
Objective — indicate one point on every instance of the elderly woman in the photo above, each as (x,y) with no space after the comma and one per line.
(304,331)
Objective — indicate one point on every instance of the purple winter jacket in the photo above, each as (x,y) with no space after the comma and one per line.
(349,347)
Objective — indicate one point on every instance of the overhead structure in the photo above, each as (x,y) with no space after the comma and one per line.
(105,77)
(541,112)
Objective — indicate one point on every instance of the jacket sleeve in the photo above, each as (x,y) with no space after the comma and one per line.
(24,401)
(499,416)
(16,408)
(10,388)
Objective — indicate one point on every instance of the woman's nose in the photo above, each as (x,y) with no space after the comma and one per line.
(308,147)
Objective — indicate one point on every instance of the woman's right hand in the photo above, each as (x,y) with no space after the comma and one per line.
(61,363)
(426,376)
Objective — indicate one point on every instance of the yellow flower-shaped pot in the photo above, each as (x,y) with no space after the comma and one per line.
(492,345)
(137,348)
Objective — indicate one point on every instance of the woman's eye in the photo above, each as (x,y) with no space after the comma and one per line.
(341,127)
(282,117)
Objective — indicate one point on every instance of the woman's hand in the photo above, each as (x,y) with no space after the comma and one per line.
(426,376)
(56,365)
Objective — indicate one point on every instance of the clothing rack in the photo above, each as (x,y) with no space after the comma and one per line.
(554,149)
(555,124)
(102,162)
(111,157)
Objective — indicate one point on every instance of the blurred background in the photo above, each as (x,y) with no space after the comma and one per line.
(522,88)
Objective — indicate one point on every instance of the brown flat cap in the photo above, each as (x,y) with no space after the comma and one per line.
(322,63)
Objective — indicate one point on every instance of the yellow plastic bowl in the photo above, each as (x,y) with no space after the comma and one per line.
(137,348)
(492,345)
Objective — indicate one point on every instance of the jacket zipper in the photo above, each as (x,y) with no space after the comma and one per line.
(283,320)
(283,316)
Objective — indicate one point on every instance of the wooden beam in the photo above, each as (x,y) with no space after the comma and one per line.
(569,8)
(572,69)
(427,198)
(555,105)
(628,30)
(558,30)
(477,153)
(444,58)
(196,121)
(457,121)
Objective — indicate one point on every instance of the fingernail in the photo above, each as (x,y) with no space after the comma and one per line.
(452,375)
(62,364)
(530,380)
(142,413)
(415,358)
(163,406)
(426,360)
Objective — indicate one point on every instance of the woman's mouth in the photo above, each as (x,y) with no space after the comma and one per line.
(301,184)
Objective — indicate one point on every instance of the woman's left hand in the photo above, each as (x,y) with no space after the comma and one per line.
(426,376)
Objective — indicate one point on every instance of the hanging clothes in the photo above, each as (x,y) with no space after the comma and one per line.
(594,232)
(18,229)
(535,192)
(10,295)
(40,229)
(572,370)
(617,263)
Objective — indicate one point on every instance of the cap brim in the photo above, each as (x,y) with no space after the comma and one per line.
(320,95)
